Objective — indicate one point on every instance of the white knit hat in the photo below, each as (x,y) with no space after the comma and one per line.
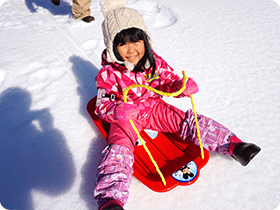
(118,17)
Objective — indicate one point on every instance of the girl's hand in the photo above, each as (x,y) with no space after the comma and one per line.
(125,111)
(191,87)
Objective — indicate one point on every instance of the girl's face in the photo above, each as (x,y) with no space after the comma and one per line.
(132,51)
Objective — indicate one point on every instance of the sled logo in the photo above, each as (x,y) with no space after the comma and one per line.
(187,173)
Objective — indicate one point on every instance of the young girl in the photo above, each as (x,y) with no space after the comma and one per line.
(127,60)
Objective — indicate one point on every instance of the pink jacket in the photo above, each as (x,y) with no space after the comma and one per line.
(114,78)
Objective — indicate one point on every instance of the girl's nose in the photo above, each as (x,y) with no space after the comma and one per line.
(130,47)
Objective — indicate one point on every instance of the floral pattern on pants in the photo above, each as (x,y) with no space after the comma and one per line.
(114,174)
(214,136)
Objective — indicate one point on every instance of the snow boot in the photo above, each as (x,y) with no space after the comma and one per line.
(112,204)
(88,19)
(55,2)
(113,208)
(245,152)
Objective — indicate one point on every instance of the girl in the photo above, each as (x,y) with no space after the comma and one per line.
(129,59)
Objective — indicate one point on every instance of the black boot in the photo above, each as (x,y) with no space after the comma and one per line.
(245,152)
(111,204)
(88,19)
(55,2)
(113,208)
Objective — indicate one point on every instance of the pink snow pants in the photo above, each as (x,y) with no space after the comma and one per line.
(115,168)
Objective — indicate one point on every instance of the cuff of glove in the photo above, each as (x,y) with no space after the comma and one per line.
(191,87)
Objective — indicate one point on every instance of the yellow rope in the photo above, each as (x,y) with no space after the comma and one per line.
(197,128)
(169,95)
(149,153)
(157,91)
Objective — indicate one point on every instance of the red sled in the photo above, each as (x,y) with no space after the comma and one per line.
(179,161)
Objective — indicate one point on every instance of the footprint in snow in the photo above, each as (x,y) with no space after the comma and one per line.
(90,44)
(154,14)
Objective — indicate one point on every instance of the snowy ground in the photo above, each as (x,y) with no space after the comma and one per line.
(49,148)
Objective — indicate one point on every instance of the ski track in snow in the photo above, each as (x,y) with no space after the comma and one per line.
(47,72)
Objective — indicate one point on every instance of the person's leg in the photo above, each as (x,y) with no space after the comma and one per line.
(165,118)
(217,138)
(122,133)
(81,8)
(115,167)
(114,175)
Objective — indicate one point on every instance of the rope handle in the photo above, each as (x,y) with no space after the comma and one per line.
(185,78)
(197,128)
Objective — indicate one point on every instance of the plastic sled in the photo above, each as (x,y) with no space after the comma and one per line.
(179,161)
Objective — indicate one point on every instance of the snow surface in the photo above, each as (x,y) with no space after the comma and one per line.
(49,147)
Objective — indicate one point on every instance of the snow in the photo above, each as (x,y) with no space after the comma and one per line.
(49,147)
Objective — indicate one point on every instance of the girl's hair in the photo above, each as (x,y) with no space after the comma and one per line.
(134,35)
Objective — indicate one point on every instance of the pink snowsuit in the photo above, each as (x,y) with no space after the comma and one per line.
(115,168)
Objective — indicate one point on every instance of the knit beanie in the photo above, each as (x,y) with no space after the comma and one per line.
(118,17)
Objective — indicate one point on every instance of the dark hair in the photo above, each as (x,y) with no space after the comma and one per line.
(134,35)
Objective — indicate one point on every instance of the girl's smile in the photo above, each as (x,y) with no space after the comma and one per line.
(132,51)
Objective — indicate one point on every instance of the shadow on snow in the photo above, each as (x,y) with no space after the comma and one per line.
(63,9)
(85,73)
(34,155)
